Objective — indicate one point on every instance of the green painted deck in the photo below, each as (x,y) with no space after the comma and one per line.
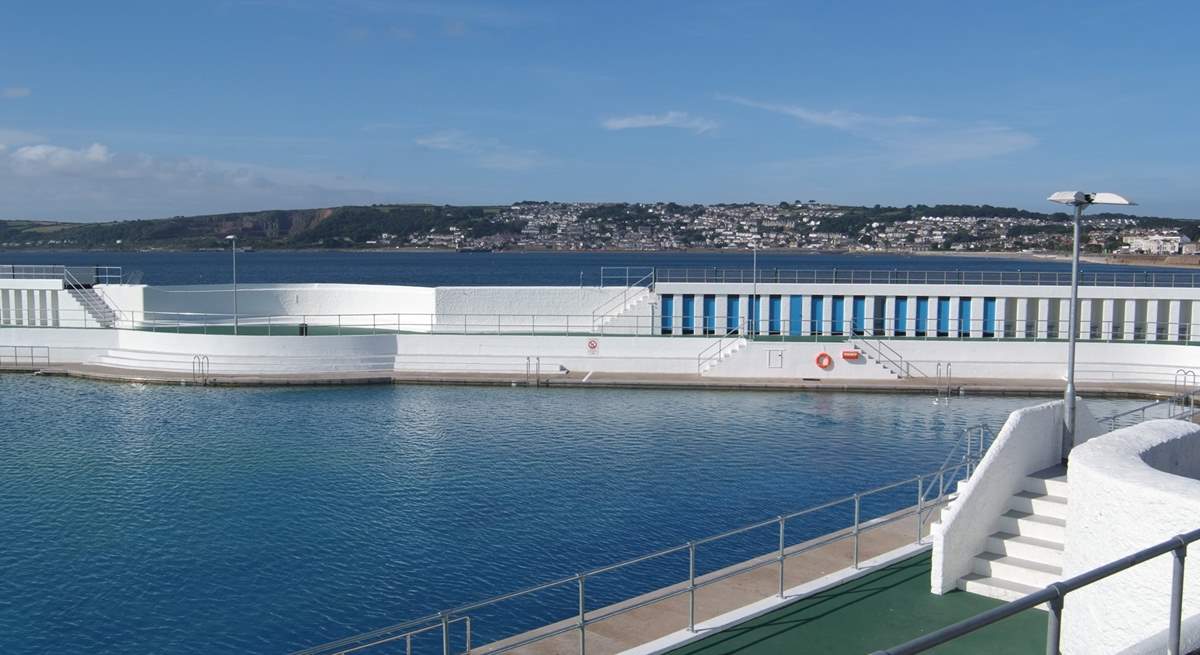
(879,610)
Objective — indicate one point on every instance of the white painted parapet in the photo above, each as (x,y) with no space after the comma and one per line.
(1030,441)
(1130,489)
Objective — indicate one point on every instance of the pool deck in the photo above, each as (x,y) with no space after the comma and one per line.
(884,608)
(960,386)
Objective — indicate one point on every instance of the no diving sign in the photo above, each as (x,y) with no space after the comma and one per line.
(593,347)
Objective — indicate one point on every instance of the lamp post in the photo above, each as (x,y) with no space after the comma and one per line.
(233,239)
(1080,200)
(754,290)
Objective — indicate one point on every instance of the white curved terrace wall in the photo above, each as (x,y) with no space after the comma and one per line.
(1030,441)
(315,300)
(1130,489)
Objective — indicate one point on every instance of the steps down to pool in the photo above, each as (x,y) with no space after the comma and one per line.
(1025,553)
(728,351)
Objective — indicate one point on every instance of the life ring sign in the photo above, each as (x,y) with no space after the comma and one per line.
(824,361)
(593,346)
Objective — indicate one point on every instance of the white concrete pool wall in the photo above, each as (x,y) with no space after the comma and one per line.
(510,308)
(1131,489)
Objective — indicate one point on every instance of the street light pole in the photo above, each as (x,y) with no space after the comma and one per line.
(233,238)
(754,293)
(1073,331)
(1080,200)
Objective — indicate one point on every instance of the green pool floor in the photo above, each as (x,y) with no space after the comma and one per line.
(879,610)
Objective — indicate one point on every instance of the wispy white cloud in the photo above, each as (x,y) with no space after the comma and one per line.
(49,158)
(676,119)
(484,152)
(16,92)
(905,139)
(837,118)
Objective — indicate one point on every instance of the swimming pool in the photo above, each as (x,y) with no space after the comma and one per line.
(189,520)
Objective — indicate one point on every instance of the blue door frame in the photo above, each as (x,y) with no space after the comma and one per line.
(689,314)
(668,311)
(901,316)
(709,308)
(922,316)
(795,315)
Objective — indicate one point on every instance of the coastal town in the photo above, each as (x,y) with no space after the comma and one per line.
(801,225)
(568,226)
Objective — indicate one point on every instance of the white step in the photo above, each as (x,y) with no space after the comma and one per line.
(1040,504)
(1030,548)
(994,587)
(1051,481)
(1015,569)
(1025,524)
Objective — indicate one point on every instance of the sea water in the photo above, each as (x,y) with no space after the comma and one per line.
(162,519)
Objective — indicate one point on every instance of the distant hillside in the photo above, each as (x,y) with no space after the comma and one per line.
(298,228)
(540,225)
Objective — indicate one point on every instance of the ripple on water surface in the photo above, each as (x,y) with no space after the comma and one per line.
(191,520)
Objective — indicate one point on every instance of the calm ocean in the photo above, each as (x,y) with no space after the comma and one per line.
(534,268)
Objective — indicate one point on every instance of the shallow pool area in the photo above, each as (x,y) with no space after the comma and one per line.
(193,520)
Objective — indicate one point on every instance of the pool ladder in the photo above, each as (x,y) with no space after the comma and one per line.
(945,380)
(200,366)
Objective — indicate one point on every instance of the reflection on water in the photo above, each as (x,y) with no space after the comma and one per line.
(193,520)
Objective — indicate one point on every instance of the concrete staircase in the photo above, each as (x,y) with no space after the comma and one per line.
(724,351)
(1025,551)
(881,355)
(618,306)
(95,305)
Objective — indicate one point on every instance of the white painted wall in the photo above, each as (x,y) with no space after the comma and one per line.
(1130,489)
(1029,441)
(361,305)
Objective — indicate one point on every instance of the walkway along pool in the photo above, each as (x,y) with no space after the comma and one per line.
(193,520)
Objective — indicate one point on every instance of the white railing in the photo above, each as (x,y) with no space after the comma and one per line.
(22,356)
(89,275)
(970,278)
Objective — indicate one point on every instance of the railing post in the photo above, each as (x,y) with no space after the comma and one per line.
(782,524)
(1173,638)
(691,587)
(582,619)
(468,647)
(445,634)
(408,644)
(857,503)
(920,505)
(1054,625)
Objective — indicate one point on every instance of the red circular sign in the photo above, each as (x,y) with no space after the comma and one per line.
(593,344)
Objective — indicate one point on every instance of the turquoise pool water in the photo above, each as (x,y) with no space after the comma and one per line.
(200,520)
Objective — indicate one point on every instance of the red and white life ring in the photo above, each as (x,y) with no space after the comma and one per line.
(824,361)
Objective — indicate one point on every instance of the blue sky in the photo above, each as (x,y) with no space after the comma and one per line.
(146,109)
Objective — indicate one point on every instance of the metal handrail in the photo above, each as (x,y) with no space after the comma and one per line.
(100,274)
(619,302)
(871,276)
(98,312)
(892,356)
(1186,402)
(694,582)
(33,354)
(1056,593)
(717,349)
